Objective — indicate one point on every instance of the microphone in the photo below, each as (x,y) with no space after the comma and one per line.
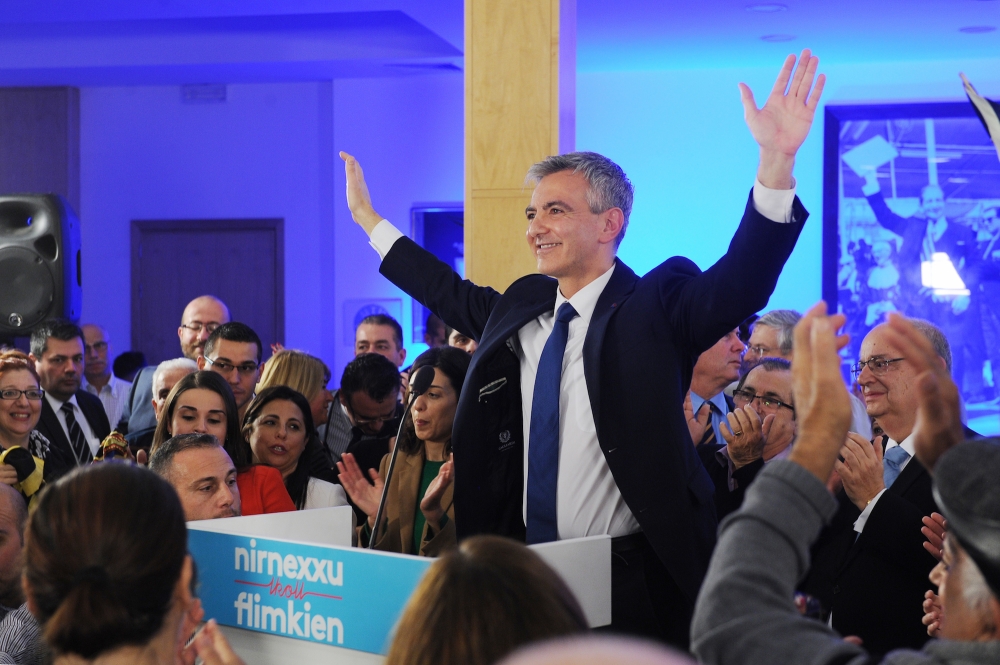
(420,381)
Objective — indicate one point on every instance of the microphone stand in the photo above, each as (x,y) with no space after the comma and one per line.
(416,390)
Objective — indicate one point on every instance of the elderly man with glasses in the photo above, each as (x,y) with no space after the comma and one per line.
(870,567)
(761,428)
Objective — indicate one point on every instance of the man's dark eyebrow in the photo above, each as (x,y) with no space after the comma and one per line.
(202,480)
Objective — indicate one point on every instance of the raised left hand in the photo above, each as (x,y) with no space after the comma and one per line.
(430,505)
(781,126)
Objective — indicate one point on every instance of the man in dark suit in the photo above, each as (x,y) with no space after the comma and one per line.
(870,566)
(924,235)
(73,420)
(761,428)
(571,422)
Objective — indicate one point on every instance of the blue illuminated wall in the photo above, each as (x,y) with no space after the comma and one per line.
(681,138)
(270,151)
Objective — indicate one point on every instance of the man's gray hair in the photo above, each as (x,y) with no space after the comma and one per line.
(161,462)
(976,591)
(936,338)
(784,321)
(609,186)
(172,364)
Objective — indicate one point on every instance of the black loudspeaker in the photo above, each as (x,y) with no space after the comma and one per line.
(39,262)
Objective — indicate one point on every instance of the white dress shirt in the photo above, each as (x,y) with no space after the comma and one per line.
(588,501)
(81,420)
(114,397)
(907,445)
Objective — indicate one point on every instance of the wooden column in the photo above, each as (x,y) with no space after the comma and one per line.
(520,107)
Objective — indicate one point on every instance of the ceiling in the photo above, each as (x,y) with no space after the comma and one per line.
(130,42)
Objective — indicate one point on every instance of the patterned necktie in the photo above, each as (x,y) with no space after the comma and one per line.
(892,464)
(81,449)
(543,438)
(709,439)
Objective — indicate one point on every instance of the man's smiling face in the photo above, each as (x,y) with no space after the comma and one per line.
(564,235)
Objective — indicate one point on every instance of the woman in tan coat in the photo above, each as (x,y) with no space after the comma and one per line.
(419,515)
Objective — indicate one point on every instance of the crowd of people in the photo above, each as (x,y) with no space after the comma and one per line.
(760,508)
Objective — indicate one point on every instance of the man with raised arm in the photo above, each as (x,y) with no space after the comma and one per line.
(563,429)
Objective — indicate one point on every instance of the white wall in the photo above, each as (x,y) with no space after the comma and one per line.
(681,138)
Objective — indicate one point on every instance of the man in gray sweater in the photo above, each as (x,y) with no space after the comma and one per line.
(745,612)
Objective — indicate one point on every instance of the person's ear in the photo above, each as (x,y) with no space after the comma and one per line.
(402,357)
(614,222)
(201,362)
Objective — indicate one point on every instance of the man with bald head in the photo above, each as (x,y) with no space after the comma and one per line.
(97,377)
(872,557)
(165,376)
(200,318)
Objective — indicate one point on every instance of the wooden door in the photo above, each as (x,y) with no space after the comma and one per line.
(239,261)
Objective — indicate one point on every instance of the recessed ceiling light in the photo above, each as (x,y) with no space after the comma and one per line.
(778,38)
(769,8)
(977,29)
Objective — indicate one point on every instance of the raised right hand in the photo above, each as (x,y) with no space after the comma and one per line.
(358,198)
(362,493)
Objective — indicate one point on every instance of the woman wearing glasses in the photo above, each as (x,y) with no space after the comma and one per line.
(203,403)
(419,513)
(20,408)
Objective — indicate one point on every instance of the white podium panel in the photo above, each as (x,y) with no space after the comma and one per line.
(585,566)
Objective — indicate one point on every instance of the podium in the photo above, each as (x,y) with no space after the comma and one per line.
(288,587)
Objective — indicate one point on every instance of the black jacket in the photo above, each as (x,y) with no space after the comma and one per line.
(48,424)
(875,583)
(644,337)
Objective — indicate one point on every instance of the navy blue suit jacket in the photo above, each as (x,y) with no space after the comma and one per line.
(642,343)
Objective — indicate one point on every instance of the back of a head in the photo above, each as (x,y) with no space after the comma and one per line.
(371,373)
(482,601)
(598,650)
(299,371)
(936,337)
(104,550)
(234,331)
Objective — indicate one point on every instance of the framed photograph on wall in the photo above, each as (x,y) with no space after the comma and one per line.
(910,204)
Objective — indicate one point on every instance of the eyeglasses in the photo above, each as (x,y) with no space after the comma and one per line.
(877,365)
(33,394)
(744,397)
(246,369)
(198,326)
(380,420)
(759,351)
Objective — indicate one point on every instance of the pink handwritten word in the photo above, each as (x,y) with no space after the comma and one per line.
(276,588)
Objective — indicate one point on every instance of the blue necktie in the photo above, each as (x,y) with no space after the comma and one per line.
(543,438)
(892,464)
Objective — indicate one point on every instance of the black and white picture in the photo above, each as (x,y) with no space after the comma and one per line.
(912,194)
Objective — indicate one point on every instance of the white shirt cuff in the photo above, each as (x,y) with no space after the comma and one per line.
(775,204)
(859,524)
(383,237)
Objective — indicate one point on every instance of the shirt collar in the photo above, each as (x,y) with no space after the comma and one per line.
(906,445)
(585,300)
(719,400)
(56,404)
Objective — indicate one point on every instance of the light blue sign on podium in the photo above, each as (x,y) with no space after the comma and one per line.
(336,596)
